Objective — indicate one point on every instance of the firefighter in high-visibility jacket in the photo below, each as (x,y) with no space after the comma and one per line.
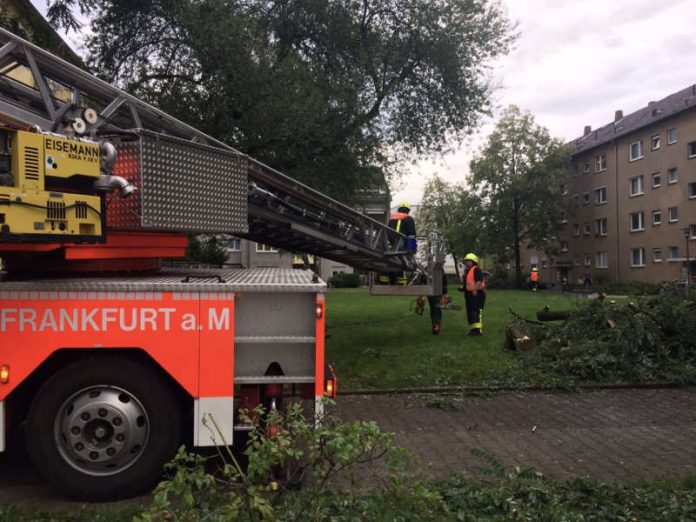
(474,294)
(534,279)
(402,222)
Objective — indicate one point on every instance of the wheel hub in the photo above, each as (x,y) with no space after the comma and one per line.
(101,430)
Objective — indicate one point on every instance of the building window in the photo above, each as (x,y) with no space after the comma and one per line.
(600,195)
(576,200)
(601,163)
(576,260)
(564,190)
(692,190)
(672,175)
(691,149)
(261,247)
(673,214)
(588,260)
(564,245)
(656,180)
(692,231)
(586,229)
(576,230)
(637,257)
(671,136)
(586,168)
(234,244)
(601,227)
(635,150)
(657,217)
(585,198)
(657,255)
(602,260)
(636,184)
(655,142)
(576,169)
(673,253)
(564,217)
(637,221)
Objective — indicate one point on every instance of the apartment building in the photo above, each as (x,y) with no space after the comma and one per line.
(630,198)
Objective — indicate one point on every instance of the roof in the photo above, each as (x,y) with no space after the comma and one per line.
(23,19)
(673,104)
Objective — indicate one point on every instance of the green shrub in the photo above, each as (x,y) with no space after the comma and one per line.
(635,288)
(297,451)
(344,280)
(525,494)
(650,339)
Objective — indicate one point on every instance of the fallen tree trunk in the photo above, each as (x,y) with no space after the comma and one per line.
(518,338)
(549,315)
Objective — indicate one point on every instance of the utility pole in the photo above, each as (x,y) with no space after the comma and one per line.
(687,235)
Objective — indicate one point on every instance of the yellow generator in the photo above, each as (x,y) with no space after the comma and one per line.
(49,188)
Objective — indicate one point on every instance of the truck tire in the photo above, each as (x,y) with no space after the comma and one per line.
(103,428)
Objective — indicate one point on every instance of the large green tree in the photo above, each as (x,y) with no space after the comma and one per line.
(454,212)
(333,92)
(518,174)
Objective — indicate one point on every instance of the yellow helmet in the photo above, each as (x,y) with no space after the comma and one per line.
(405,205)
(472,257)
(535,269)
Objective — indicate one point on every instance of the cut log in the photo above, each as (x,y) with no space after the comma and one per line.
(558,315)
(517,338)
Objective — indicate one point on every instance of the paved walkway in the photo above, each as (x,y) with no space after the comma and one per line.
(609,435)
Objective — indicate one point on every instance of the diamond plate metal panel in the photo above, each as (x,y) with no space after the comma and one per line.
(183,187)
(125,214)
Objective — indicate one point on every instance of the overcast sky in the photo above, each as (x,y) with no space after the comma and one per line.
(575,63)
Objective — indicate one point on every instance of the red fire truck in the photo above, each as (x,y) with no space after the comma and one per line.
(108,360)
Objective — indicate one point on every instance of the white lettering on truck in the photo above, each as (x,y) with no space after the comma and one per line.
(108,319)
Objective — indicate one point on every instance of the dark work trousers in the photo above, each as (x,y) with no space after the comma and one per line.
(474,309)
(435,309)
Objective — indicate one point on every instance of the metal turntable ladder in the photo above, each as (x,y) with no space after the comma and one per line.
(40,89)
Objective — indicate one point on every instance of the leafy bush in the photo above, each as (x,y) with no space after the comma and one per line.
(284,451)
(499,279)
(525,494)
(344,280)
(635,288)
(651,339)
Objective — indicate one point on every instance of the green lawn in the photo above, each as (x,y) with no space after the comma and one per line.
(376,342)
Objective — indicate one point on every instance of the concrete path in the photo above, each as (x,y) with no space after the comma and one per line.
(610,435)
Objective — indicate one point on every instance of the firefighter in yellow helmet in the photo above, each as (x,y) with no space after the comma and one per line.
(474,293)
(534,279)
(402,222)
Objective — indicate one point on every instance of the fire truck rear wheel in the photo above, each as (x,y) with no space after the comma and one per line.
(103,428)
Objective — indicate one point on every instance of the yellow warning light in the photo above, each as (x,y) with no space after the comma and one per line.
(320,311)
(4,374)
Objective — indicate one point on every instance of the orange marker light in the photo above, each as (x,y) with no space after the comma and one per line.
(4,374)
(320,311)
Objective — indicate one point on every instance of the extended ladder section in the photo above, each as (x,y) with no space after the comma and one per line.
(187,181)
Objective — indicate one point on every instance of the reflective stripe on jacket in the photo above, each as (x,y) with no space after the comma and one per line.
(398,217)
